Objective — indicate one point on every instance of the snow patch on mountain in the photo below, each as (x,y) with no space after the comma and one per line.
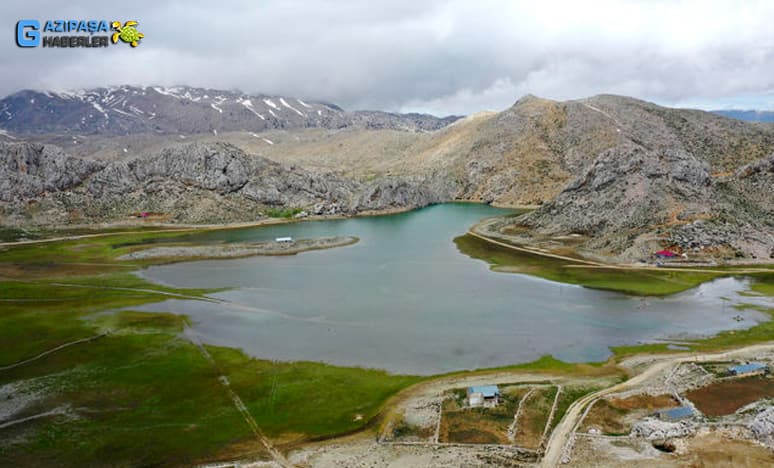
(284,103)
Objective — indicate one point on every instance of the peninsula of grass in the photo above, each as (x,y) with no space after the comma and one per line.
(633,282)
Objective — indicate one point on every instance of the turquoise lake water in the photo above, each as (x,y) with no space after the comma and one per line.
(406,300)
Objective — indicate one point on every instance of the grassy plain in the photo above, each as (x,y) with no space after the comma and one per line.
(143,394)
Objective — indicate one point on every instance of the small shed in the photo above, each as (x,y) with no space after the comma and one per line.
(475,399)
(752,368)
(675,414)
(483,395)
(284,240)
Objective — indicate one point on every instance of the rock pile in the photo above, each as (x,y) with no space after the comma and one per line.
(655,429)
(762,426)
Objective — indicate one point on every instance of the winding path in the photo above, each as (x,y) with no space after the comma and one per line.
(560,443)
(53,350)
(581,263)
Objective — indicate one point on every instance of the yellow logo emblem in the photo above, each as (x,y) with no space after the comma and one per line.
(127,33)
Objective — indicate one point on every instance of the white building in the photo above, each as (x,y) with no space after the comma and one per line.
(483,395)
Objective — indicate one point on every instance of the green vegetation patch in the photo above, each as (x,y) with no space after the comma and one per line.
(38,316)
(89,256)
(635,282)
(142,394)
(282,212)
(126,399)
(549,365)
(760,333)
(309,398)
(763,284)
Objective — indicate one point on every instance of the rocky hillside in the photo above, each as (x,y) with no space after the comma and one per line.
(624,177)
(39,184)
(126,110)
(628,176)
(632,201)
(685,180)
(528,153)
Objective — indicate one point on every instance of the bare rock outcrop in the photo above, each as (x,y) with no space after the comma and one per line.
(31,170)
(762,426)
(632,201)
(654,429)
(192,183)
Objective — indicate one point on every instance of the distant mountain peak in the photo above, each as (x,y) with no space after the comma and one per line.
(747,115)
(126,109)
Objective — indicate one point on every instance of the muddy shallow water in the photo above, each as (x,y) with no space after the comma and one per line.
(406,300)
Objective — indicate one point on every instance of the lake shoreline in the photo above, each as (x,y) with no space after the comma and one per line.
(426,287)
(238,250)
(485,230)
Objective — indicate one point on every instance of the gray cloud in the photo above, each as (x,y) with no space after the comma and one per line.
(435,56)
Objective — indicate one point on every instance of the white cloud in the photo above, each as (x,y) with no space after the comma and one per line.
(440,57)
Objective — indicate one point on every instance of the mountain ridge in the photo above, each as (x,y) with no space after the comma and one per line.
(122,110)
(748,115)
(628,176)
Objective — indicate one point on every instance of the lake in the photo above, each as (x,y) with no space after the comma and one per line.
(406,300)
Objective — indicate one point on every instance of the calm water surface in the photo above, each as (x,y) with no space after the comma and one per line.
(406,300)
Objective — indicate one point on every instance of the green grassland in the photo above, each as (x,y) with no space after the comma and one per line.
(312,399)
(630,281)
(138,395)
(143,393)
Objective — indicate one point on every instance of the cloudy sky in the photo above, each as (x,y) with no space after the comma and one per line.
(441,57)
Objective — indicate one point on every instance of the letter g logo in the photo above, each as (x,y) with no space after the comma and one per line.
(28,33)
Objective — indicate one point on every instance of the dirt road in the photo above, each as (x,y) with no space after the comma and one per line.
(580,263)
(560,441)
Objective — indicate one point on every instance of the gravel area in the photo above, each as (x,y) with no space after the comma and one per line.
(235,250)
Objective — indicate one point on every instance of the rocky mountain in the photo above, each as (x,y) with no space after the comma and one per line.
(627,177)
(529,153)
(747,115)
(681,179)
(632,201)
(39,184)
(126,110)
(620,176)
